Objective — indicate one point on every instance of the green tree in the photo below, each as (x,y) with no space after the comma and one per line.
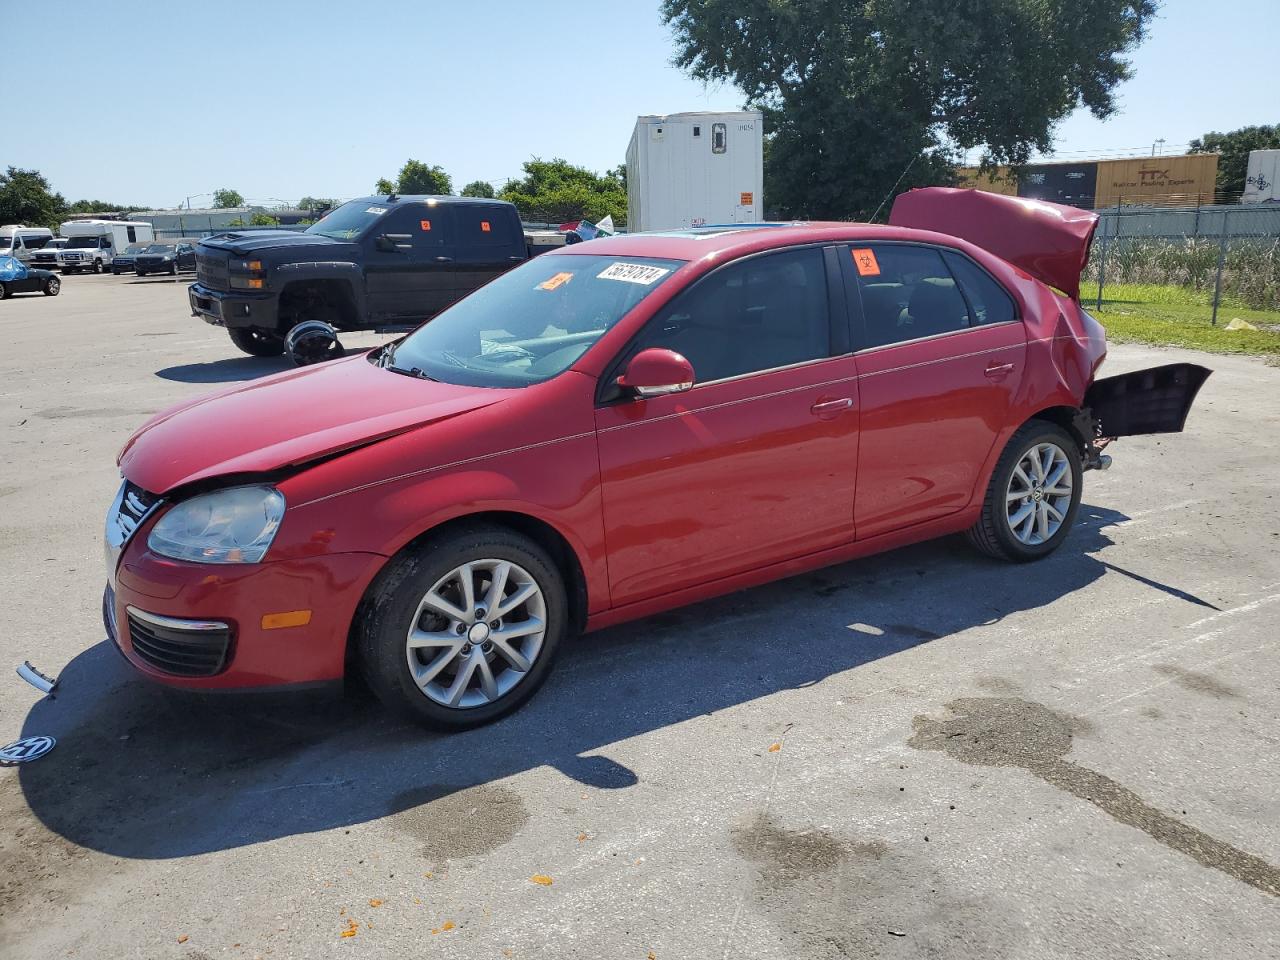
(418,177)
(479,188)
(556,190)
(384,186)
(1233,154)
(858,96)
(100,206)
(26,198)
(226,197)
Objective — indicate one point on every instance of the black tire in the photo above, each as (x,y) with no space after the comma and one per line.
(52,286)
(142,273)
(97,266)
(67,271)
(256,342)
(992,534)
(173,271)
(5,292)
(387,613)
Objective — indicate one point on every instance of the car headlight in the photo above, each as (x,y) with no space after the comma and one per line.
(235,525)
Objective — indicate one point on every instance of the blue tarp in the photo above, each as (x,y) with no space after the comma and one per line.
(11,268)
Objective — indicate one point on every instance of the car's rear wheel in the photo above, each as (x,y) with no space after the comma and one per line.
(255,342)
(1033,496)
(463,629)
(51,286)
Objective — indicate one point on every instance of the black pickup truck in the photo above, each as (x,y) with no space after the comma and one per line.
(372,263)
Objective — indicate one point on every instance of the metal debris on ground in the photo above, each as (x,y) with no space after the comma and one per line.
(42,682)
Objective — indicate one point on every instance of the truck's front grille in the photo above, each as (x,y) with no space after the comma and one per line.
(211,271)
(182,648)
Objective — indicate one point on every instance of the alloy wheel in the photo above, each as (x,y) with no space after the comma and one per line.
(1039,494)
(476,633)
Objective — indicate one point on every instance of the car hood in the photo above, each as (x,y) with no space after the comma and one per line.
(288,420)
(243,243)
(1049,241)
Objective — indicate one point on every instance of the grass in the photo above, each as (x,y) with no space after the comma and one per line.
(1173,316)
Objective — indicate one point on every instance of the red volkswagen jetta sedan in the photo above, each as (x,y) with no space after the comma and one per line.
(615,429)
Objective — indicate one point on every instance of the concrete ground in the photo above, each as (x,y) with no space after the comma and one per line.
(922,754)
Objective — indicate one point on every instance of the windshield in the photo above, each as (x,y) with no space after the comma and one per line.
(531,323)
(349,220)
(6,244)
(134,248)
(160,248)
(76,243)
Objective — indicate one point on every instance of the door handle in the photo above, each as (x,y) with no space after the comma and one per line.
(998,369)
(832,406)
(444,259)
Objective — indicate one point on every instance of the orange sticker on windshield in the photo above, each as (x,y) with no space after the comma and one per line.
(484,226)
(425,224)
(560,279)
(865,261)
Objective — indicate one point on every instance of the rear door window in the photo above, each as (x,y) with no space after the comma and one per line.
(989,302)
(483,226)
(907,292)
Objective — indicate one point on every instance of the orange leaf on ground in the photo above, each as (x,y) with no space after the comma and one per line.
(447,925)
(183,939)
(581,837)
(541,878)
(375,902)
(775,748)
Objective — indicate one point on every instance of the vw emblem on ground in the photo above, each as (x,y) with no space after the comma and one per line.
(25,750)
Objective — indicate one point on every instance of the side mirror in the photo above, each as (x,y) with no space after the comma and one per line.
(384,244)
(656,372)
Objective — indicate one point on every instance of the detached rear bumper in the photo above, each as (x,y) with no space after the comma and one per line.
(1156,400)
(224,309)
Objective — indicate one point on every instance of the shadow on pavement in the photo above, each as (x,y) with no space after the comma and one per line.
(140,772)
(226,371)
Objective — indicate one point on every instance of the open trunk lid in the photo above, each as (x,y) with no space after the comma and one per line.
(1047,240)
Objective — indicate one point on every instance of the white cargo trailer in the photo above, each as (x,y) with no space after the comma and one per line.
(695,169)
(1261,176)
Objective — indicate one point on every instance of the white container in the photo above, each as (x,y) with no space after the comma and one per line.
(694,170)
(1260,179)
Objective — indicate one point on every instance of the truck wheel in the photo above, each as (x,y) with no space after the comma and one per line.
(463,629)
(1033,496)
(97,266)
(257,343)
(52,286)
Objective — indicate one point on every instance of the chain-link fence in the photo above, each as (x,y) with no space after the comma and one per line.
(1210,257)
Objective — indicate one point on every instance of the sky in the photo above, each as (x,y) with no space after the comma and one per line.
(281,99)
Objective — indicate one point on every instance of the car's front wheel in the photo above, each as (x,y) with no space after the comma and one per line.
(1033,496)
(255,342)
(52,286)
(97,266)
(5,291)
(463,629)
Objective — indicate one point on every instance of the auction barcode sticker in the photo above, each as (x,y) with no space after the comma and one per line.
(633,273)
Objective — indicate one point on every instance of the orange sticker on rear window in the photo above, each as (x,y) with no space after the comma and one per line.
(425,224)
(484,226)
(865,261)
(556,281)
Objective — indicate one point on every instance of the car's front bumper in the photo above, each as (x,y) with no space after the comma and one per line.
(226,309)
(201,626)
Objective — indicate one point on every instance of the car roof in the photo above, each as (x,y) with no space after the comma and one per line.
(426,197)
(734,240)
